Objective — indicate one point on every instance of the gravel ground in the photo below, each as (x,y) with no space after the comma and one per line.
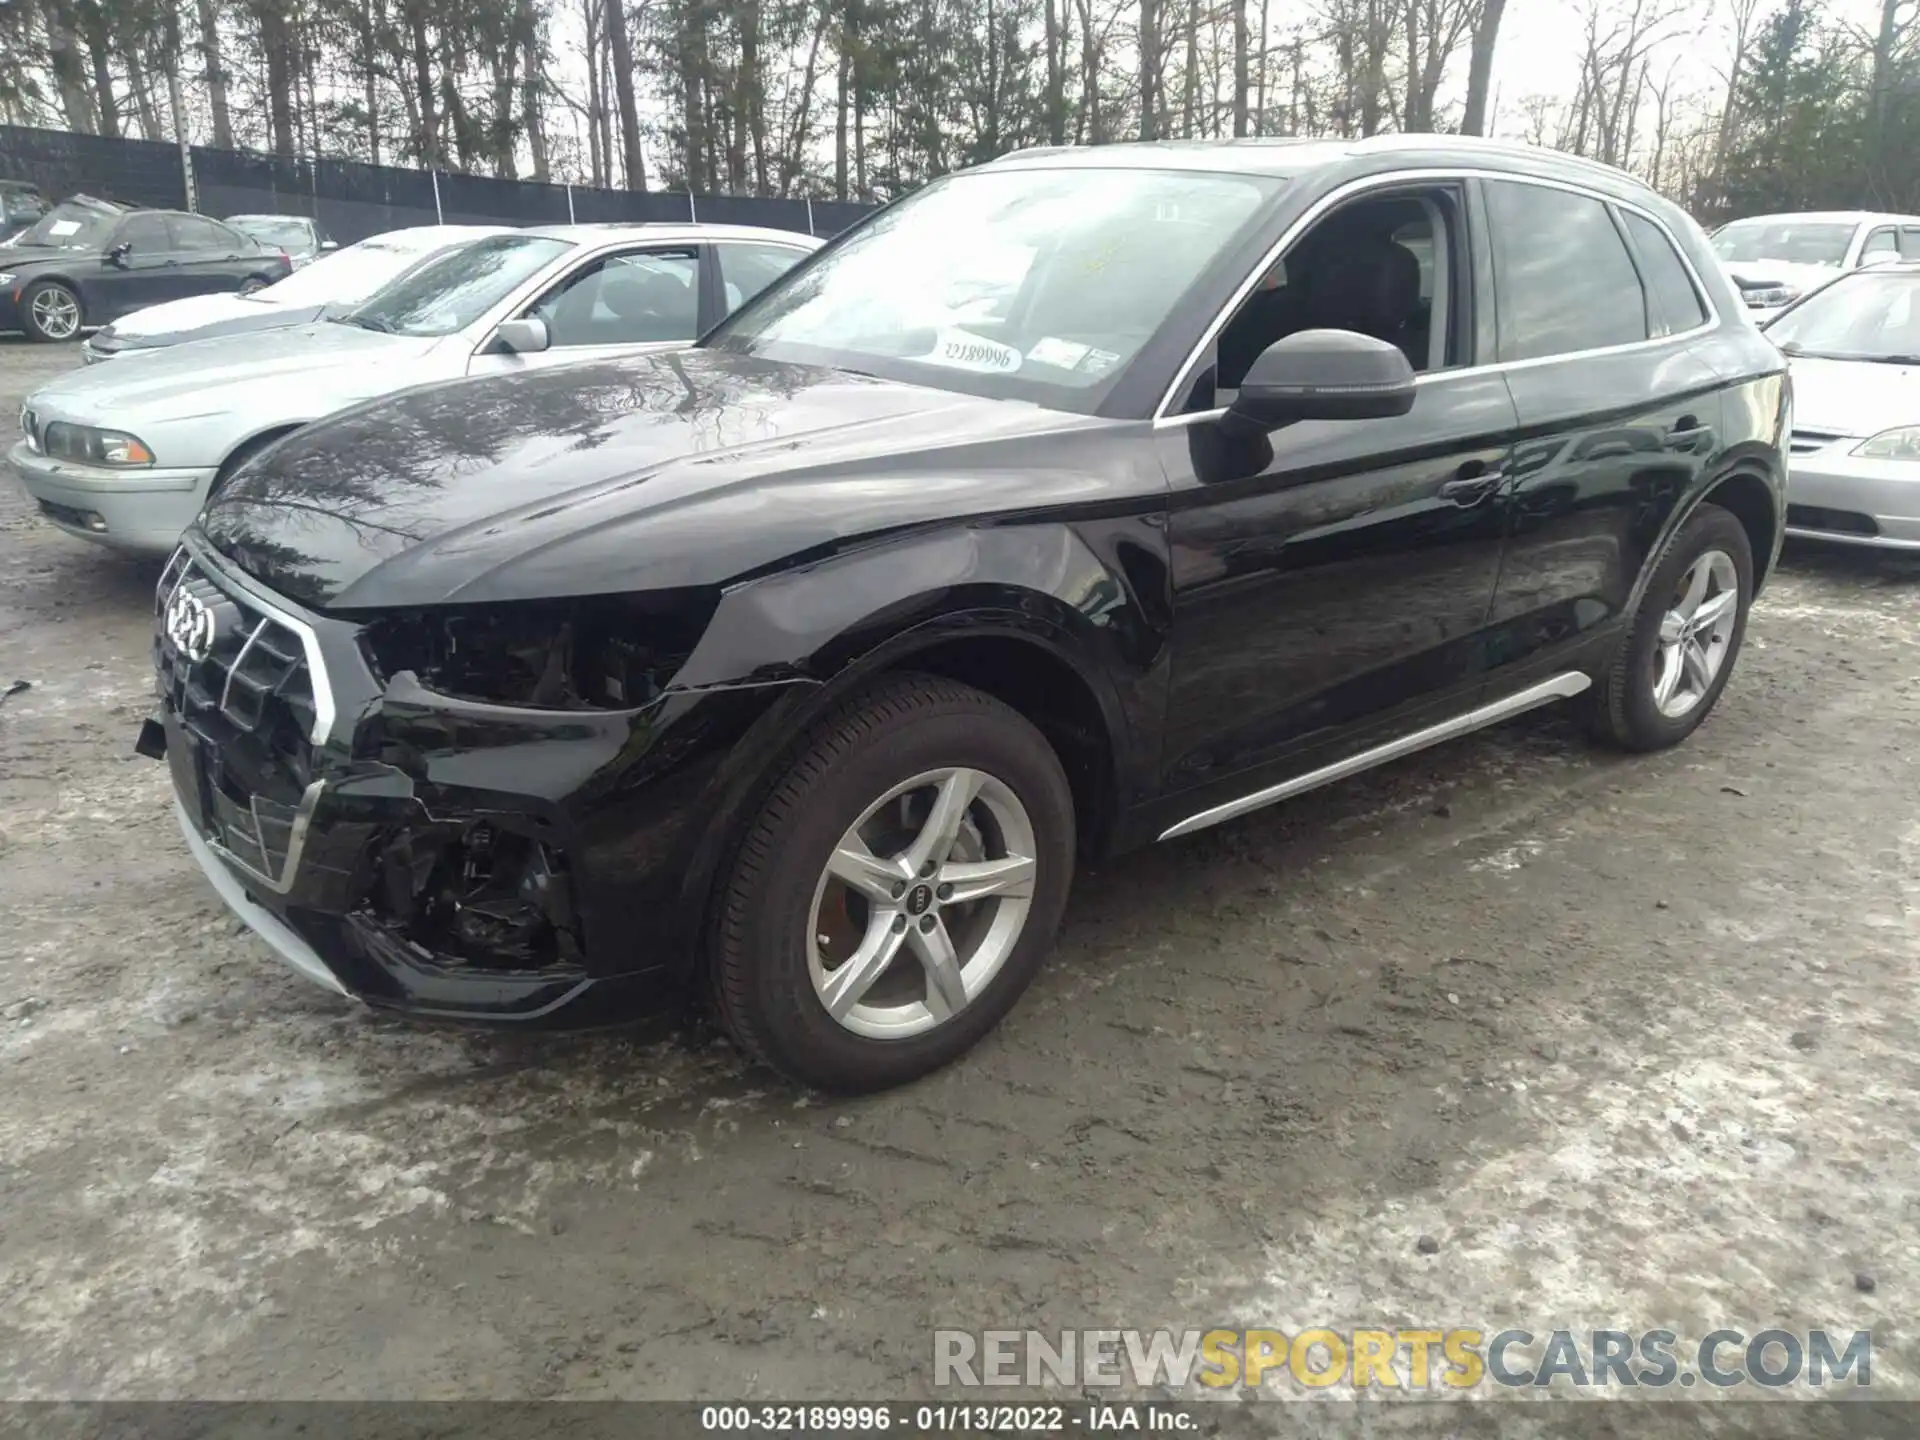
(1512,1033)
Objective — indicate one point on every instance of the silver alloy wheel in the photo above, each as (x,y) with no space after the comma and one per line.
(252,285)
(1695,634)
(921,903)
(56,314)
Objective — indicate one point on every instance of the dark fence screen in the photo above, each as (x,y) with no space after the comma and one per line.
(352,200)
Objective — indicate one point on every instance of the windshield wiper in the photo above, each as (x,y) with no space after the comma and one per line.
(365,322)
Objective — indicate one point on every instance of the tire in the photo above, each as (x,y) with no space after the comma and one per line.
(1629,709)
(51,313)
(788,934)
(253,283)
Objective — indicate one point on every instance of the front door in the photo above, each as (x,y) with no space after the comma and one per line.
(623,303)
(142,275)
(1599,317)
(1331,588)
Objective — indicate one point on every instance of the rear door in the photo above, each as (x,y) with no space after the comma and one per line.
(621,303)
(212,257)
(1600,320)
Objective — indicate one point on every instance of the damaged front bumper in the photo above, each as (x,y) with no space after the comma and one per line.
(437,856)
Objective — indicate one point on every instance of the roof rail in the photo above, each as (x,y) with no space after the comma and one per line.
(1499,147)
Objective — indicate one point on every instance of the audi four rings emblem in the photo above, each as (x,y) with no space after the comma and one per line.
(190,625)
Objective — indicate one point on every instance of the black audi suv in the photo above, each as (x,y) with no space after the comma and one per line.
(1081,500)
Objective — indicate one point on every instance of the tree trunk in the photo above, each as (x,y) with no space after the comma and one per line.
(371,24)
(840,121)
(753,91)
(215,74)
(1486,36)
(1149,70)
(532,91)
(429,134)
(103,82)
(1190,74)
(1090,75)
(1241,80)
(1056,101)
(693,100)
(858,77)
(620,55)
(793,152)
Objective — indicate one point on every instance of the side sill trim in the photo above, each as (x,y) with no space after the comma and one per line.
(1559,687)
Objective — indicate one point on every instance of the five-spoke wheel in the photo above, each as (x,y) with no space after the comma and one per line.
(897,890)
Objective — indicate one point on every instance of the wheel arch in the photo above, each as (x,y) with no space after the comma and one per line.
(249,446)
(1742,489)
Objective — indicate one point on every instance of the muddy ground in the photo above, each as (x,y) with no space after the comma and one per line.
(1631,1041)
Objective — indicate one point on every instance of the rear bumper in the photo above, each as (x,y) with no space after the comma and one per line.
(138,510)
(1832,495)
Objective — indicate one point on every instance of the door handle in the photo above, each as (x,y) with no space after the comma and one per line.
(1685,431)
(1472,485)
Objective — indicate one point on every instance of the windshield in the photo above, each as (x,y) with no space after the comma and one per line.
(72,227)
(281,230)
(1791,242)
(1033,284)
(1869,315)
(347,276)
(454,289)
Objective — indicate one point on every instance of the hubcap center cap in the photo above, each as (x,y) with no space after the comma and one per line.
(919,900)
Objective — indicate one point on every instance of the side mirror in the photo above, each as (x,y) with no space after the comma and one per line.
(120,254)
(1321,375)
(526,336)
(329,244)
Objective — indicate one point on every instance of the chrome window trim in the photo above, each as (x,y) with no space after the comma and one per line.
(323,708)
(1393,180)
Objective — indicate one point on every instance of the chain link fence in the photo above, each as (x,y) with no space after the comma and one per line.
(353,200)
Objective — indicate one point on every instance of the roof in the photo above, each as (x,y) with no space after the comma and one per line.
(1289,157)
(1823,217)
(670,231)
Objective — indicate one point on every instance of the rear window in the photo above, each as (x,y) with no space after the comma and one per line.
(1666,276)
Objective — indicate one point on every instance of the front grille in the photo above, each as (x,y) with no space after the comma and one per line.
(1838,522)
(248,707)
(1805,442)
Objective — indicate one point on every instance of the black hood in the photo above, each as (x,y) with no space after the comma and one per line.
(689,468)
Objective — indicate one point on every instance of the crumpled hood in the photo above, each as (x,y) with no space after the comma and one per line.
(196,312)
(686,468)
(1853,397)
(341,362)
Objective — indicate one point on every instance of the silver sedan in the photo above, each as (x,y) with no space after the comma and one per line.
(126,454)
(1854,348)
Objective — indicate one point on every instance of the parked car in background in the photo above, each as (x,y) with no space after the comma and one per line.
(87,262)
(303,240)
(126,454)
(339,280)
(1854,348)
(796,668)
(1775,259)
(21,205)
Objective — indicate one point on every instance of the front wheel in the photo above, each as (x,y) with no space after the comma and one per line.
(898,890)
(50,312)
(1685,636)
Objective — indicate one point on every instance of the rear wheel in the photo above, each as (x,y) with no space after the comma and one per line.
(50,312)
(1685,637)
(252,283)
(898,890)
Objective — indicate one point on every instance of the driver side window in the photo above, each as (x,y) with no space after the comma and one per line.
(146,234)
(1383,266)
(636,298)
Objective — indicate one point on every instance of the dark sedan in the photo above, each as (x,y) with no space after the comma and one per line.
(1080,501)
(304,240)
(88,262)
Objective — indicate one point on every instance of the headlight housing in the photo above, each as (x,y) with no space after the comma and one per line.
(1900,443)
(592,653)
(7,277)
(89,446)
(1772,297)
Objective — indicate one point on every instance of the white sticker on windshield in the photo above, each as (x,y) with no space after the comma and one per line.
(1065,354)
(63,227)
(963,351)
(1099,362)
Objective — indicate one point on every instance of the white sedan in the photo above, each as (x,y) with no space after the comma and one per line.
(1854,467)
(126,454)
(341,278)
